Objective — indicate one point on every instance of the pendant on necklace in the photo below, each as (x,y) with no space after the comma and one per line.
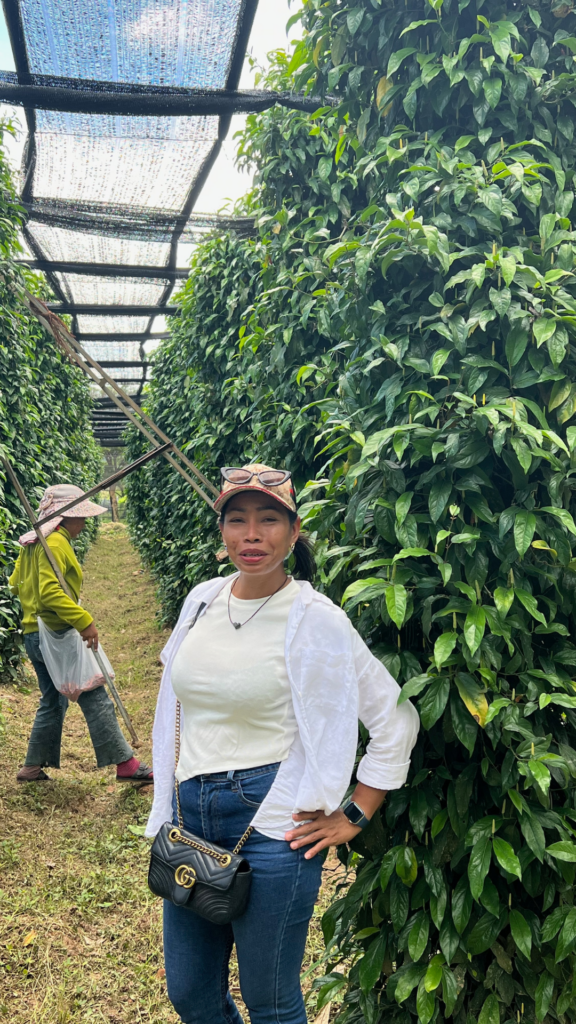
(236,625)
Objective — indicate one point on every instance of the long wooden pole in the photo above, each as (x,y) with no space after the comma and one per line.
(49,555)
(62,335)
(104,485)
(130,415)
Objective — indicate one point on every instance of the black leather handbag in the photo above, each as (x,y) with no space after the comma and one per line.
(196,874)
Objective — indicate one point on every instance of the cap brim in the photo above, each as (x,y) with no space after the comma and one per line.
(225,496)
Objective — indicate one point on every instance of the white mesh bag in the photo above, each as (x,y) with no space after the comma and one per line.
(71,664)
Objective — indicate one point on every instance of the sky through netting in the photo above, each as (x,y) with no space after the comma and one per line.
(119,190)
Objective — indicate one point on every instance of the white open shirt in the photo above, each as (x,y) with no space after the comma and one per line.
(335,680)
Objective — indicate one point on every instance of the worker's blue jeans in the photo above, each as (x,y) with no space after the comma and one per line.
(45,741)
(270,936)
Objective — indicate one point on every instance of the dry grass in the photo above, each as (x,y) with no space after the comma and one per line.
(80,934)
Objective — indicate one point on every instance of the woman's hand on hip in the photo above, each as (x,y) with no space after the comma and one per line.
(90,635)
(322,830)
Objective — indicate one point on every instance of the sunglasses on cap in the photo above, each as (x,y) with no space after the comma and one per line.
(267,477)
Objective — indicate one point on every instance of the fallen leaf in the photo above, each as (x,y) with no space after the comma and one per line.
(50,864)
(110,789)
(161,972)
(29,939)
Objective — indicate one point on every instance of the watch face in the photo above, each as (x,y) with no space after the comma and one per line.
(353,813)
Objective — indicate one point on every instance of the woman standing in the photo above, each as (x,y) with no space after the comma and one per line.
(40,593)
(271,681)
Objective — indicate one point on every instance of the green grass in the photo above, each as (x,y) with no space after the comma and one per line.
(80,933)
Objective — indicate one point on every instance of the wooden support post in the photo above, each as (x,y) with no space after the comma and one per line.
(49,555)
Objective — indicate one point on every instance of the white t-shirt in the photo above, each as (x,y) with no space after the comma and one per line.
(233,686)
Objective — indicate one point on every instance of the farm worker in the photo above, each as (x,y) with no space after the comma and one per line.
(271,679)
(40,593)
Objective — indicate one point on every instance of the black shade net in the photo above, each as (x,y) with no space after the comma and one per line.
(117,189)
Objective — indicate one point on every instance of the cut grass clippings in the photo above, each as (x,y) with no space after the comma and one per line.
(80,933)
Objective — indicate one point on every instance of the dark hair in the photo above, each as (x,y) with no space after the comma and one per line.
(303,554)
(304,567)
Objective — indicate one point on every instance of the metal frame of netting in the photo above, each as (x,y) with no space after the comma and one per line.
(126,105)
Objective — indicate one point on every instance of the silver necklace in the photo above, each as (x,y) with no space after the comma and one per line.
(238,625)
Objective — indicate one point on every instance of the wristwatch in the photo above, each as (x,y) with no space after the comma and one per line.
(355,814)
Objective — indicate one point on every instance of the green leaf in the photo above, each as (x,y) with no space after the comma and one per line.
(484,933)
(516,343)
(462,902)
(490,1012)
(534,835)
(449,990)
(489,898)
(397,58)
(563,515)
(443,648)
(410,553)
(370,965)
(438,823)
(433,975)
(413,687)
(530,604)
(543,329)
(564,850)
(500,300)
(521,932)
(540,774)
(567,937)
(408,979)
(506,857)
(474,627)
(523,453)
(492,90)
(406,866)
(433,703)
(396,603)
(399,901)
(418,938)
(524,526)
(388,866)
(503,599)
(418,812)
(425,1001)
(478,867)
(438,498)
(508,265)
(449,938)
(403,506)
(544,990)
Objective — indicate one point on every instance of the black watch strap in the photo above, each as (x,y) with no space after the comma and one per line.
(355,814)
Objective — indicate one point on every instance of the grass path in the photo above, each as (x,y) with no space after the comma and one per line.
(80,934)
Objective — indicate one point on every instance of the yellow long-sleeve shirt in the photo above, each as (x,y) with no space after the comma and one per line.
(40,593)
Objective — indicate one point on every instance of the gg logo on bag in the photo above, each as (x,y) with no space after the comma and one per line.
(185,876)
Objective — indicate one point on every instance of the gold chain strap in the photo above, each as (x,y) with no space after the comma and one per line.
(223,859)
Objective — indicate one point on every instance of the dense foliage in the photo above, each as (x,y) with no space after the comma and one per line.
(44,416)
(402,336)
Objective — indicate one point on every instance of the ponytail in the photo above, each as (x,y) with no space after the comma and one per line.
(303,555)
(304,561)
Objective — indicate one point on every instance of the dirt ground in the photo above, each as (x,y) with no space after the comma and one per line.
(80,933)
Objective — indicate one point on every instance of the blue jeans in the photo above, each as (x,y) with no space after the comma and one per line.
(45,740)
(270,936)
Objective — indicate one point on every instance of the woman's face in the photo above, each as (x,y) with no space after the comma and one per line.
(257,532)
(74,525)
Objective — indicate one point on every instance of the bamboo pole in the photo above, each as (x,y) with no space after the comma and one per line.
(49,555)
